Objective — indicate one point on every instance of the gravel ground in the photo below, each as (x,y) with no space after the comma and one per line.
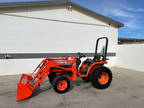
(126,91)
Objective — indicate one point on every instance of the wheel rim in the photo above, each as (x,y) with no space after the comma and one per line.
(103,78)
(62,85)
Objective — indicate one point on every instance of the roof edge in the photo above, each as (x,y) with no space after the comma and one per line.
(30,3)
(60,2)
(111,21)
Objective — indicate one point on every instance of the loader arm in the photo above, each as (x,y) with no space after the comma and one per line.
(27,83)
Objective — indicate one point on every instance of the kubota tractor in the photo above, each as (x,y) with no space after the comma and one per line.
(61,71)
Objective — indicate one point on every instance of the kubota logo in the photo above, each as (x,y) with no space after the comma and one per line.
(62,62)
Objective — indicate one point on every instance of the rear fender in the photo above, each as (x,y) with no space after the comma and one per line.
(93,66)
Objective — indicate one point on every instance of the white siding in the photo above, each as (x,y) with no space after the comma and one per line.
(30,35)
(18,66)
(131,56)
(25,35)
(56,13)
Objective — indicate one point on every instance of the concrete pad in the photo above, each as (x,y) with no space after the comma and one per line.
(126,91)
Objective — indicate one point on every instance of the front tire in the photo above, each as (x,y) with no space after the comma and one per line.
(51,77)
(101,78)
(61,84)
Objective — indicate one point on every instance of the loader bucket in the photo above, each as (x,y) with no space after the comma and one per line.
(24,87)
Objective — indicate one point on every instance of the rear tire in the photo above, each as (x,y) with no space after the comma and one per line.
(61,84)
(101,78)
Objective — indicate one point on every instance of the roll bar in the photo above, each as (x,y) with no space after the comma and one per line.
(106,46)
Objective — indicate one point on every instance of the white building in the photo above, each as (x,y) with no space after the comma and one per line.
(30,31)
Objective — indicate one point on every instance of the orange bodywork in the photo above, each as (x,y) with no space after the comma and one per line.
(28,83)
(93,66)
(67,66)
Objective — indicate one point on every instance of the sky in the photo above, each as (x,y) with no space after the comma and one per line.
(129,12)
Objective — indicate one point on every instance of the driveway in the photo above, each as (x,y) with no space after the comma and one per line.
(126,91)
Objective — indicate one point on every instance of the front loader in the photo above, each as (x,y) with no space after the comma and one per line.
(61,71)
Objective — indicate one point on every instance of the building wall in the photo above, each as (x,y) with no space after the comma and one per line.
(131,56)
(29,35)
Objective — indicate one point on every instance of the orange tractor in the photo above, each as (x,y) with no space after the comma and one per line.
(61,71)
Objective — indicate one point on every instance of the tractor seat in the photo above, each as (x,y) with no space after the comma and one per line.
(97,58)
(88,61)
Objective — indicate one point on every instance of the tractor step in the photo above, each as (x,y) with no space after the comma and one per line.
(84,72)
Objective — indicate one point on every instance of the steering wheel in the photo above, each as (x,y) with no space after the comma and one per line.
(81,55)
